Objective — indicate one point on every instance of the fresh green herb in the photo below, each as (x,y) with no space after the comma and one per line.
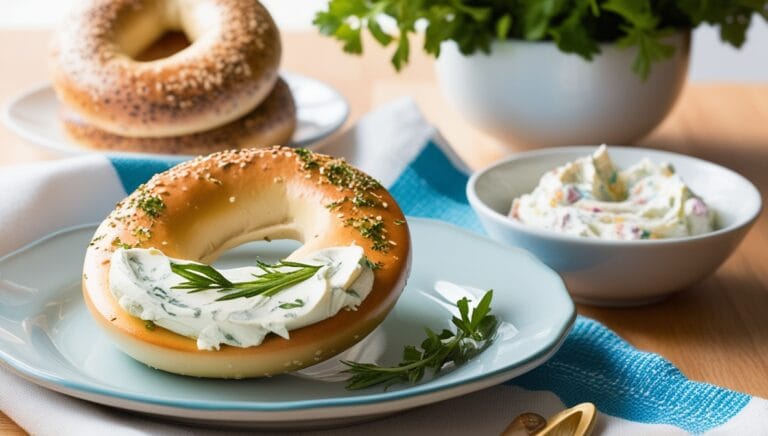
(273,280)
(296,303)
(576,26)
(149,325)
(645,234)
(474,333)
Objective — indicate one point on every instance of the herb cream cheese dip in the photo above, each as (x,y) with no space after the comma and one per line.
(143,283)
(591,197)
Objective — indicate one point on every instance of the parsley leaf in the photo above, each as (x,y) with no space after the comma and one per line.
(576,26)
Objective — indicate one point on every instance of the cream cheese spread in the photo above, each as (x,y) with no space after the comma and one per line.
(143,283)
(591,197)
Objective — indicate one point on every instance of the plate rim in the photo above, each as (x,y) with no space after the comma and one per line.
(415,395)
(69,149)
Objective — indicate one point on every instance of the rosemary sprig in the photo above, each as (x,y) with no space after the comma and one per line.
(474,333)
(206,278)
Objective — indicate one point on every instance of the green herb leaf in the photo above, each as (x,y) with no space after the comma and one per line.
(503,25)
(296,303)
(351,37)
(273,279)
(538,15)
(475,332)
(572,36)
(378,33)
(400,58)
(650,49)
(575,25)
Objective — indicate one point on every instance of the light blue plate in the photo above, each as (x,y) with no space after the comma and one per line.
(48,336)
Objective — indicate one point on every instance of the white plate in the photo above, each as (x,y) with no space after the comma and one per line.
(34,115)
(48,336)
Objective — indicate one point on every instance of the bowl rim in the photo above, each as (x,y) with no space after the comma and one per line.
(481,208)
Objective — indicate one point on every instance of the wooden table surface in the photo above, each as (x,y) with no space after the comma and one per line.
(716,331)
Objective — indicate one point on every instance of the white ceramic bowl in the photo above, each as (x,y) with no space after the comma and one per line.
(531,94)
(618,273)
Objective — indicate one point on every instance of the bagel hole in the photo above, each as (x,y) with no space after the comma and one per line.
(165,46)
(247,254)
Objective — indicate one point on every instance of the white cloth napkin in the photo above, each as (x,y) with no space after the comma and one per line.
(37,199)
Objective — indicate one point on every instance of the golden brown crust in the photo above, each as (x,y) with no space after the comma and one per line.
(229,68)
(272,122)
(201,207)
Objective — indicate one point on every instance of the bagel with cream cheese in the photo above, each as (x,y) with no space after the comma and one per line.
(229,68)
(200,208)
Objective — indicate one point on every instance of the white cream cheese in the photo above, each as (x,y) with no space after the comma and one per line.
(142,282)
(591,197)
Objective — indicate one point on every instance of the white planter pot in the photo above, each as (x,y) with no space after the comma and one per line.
(531,94)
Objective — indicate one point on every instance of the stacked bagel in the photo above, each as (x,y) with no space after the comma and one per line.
(221,92)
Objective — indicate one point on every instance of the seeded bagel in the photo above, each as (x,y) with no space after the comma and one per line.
(229,68)
(201,208)
(272,122)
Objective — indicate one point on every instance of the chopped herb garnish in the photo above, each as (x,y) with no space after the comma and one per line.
(149,325)
(308,158)
(645,234)
(363,199)
(342,174)
(96,239)
(117,242)
(399,222)
(371,229)
(339,173)
(296,303)
(474,333)
(206,278)
(336,204)
(142,233)
(370,264)
(152,205)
